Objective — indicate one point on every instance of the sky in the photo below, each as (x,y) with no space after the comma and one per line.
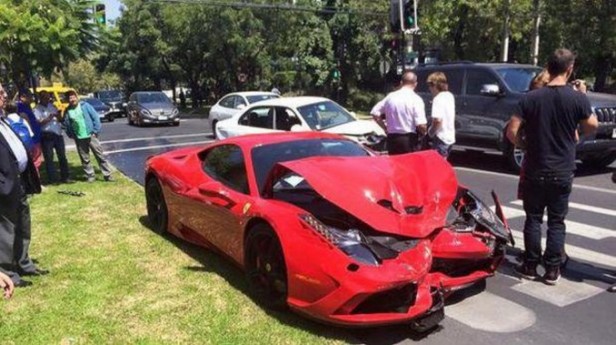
(112,8)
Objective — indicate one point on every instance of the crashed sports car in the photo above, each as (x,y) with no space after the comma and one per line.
(323,226)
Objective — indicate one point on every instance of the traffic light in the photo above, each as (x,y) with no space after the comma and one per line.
(99,14)
(409,14)
(404,9)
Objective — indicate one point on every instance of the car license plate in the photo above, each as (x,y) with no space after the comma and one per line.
(162,117)
(614,133)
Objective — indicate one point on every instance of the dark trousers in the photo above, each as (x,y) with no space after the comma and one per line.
(440,147)
(51,142)
(400,143)
(15,236)
(83,149)
(540,192)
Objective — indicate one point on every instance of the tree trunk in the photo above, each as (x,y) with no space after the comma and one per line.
(534,55)
(505,38)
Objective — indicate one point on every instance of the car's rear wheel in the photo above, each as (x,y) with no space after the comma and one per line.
(600,161)
(266,270)
(214,129)
(156,205)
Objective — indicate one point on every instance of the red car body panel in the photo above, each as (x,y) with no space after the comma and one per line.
(323,282)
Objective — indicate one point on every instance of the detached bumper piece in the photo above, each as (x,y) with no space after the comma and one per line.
(433,316)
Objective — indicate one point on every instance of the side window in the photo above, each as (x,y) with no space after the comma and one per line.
(225,164)
(239,100)
(258,117)
(454,80)
(285,119)
(228,102)
(476,79)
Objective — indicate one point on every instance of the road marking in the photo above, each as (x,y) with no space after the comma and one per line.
(491,313)
(515,177)
(143,148)
(582,207)
(566,292)
(573,251)
(580,229)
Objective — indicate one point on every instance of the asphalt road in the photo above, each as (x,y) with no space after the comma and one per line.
(511,311)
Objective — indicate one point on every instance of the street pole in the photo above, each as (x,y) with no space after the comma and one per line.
(537,22)
(505,39)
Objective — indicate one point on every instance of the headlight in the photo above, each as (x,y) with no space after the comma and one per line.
(486,217)
(145,112)
(350,241)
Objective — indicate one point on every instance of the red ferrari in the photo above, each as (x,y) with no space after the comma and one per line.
(322,225)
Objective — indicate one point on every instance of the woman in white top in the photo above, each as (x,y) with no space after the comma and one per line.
(442,131)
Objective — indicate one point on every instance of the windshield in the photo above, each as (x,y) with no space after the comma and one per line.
(324,115)
(110,95)
(94,102)
(258,98)
(153,97)
(518,78)
(265,157)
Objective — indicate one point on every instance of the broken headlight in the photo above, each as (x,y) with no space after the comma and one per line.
(350,241)
(483,215)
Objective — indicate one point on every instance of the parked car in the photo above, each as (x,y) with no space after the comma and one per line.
(103,110)
(302,114)
(486,96)
(151,107)
(233,103)
(115,99)
(331,244)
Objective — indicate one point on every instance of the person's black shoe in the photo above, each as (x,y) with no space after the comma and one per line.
(36,272)
(22,283)
(552,275)
(527,271)
(109,179)
(612,288)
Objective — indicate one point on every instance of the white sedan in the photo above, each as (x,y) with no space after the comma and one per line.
(233,103)
(302,114)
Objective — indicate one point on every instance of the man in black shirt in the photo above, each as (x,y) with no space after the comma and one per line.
(551,115)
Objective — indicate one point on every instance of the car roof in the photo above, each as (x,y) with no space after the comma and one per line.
(253,140)
(493,65)
(146,92)
(250,93)
(293,101)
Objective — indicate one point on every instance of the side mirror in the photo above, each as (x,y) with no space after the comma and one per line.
(490,90)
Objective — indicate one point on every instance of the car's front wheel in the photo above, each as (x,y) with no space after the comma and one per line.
(265,267)
(156,206)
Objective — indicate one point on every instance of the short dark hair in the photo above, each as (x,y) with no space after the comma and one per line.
(559,61)
(70,93)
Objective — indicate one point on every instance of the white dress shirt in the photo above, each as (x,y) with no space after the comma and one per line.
(444,108)
(404,110)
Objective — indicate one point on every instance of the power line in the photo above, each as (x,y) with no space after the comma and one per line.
(280,7)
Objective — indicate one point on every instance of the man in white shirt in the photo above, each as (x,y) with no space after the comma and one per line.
(405,116)
(442,130)
(51,138)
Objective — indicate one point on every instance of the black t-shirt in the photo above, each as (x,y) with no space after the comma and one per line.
(551,115)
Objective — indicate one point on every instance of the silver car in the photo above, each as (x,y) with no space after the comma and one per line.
(151,107)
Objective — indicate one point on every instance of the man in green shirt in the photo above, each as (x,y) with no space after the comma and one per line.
(83,124)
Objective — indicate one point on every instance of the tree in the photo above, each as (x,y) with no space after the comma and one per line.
(42,37)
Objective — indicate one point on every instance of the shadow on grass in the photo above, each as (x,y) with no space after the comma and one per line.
(212,262)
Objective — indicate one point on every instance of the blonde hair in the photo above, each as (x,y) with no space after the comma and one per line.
(540,80)
(439,80)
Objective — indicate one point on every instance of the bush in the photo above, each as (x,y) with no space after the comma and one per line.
(360,100)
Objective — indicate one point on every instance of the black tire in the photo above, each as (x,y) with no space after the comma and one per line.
(176,124)
(514,158)
(158,216)
(214,129)
(601,161)
(111,118)
(265,267)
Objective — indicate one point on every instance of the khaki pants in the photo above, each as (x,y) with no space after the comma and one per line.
(83,149)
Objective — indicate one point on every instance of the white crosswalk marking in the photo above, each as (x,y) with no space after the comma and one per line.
(580,229)
(583,207)
(573,251)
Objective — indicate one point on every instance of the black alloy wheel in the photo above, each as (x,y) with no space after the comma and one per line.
(266,271)
(156,205)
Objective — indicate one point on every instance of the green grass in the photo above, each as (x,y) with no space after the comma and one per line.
(114,281)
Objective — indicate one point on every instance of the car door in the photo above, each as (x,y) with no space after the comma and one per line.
(255,120)
(216,206)
(483,100)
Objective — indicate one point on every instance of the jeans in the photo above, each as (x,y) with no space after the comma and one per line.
(440,147)
(541,191)
(51,142)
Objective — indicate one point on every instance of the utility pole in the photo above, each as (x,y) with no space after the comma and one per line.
(505,39)
(534,55)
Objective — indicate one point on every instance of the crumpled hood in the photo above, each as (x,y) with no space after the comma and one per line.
(356,128)
(406,195)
